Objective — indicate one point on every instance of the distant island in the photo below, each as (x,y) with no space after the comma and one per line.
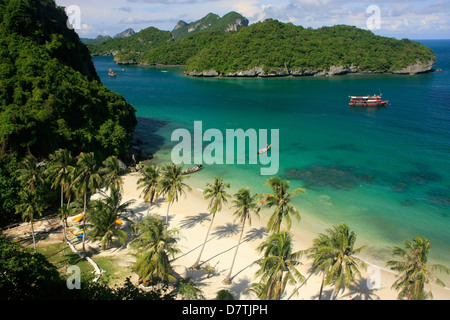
(229,47)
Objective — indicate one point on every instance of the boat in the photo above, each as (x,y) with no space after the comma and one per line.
(367,101)
(192,170)
(264,150)
(111,73)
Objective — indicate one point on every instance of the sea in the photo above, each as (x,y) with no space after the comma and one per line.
(384,171)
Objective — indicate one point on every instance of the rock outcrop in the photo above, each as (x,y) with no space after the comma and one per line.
(418,67)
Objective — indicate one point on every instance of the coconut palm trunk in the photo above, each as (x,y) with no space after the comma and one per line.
(32,234)
(228,278)
(197,263)
(167,214)
(84,223)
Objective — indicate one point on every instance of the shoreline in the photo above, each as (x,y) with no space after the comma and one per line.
(257,72)
(189,215)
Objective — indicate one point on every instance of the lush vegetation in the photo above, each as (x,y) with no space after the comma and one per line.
(276,47)
(139,42)
(211,22)
(50,93)
(30,276)
(51,97)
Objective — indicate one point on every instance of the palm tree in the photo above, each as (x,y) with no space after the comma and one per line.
(110,172)
(337,256)
(217,195)
(30,207)
(172,185)
(321,261)
(154,247)
(106,215)
(59,170)
(280,199)
(277,266)
(149,182)
(414,272)
(86,181)
(246,204)
(30,175)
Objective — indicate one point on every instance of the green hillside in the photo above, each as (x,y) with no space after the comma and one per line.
(232,21)
(283,48)
(138,42)
(273,48)
(50,93)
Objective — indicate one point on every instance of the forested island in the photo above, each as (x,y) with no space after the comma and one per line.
(268,48)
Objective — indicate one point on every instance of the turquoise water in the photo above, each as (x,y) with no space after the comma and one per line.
(385,172)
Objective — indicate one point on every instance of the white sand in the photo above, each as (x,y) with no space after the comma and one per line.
(189,216)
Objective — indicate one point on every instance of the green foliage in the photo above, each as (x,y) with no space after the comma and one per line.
(50,94)
(276,46)
(189,291)
(9,188)
(29,276)
(211,22)
(138,42)
(26,275)
(224,295)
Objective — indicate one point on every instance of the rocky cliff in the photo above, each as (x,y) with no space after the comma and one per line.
(418,67)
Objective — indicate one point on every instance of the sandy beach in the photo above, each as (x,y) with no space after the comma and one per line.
(190,216)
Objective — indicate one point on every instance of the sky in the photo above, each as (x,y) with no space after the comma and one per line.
(413,19)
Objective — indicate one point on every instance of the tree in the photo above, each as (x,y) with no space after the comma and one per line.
(280,200)
(413,270)
(277,266)
(27,275)
(217,195)
(30,207)
(246,205)
(335,254)
(153,247)
(59,170)
(149,182)
(30,203)
(321,261)
(172,185)
(86,181)
(105,216)
(30,173)
(110,172)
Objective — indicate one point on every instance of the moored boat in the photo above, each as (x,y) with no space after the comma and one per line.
(111,73)
(263,150)
(367,101)
(192,170)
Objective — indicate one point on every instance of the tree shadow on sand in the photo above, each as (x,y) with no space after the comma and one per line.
(255,234)
(357,291)
(226,231)
(191,221)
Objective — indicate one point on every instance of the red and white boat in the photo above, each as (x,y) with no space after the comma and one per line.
(367,101)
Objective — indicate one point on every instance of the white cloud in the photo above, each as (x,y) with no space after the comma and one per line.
(415,18)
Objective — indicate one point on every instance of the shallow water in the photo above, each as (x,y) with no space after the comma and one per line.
(383,171)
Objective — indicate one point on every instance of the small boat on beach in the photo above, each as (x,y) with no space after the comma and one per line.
(264,150)
(111,73)
(192,170)
(367,101)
